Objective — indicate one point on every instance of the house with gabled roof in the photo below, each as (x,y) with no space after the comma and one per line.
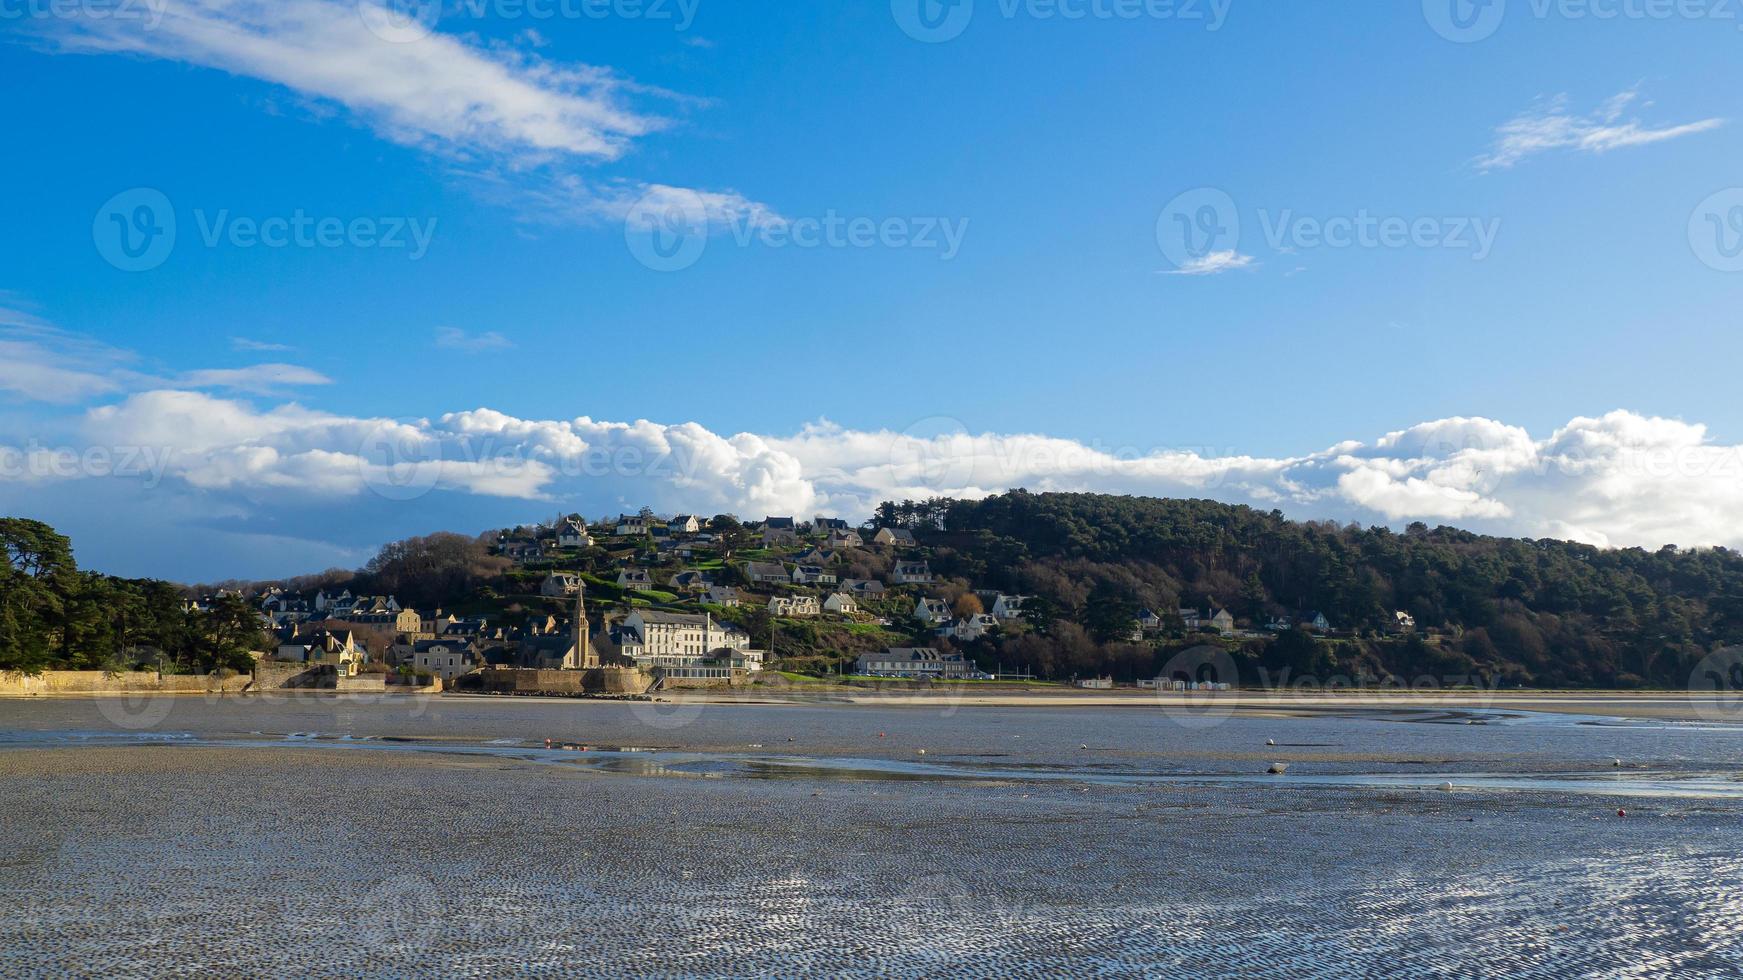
(894,537)
(766,573)
(911,573)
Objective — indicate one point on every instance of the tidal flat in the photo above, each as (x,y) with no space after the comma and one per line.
(328,836)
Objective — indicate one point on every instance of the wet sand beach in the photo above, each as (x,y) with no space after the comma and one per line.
(346,837)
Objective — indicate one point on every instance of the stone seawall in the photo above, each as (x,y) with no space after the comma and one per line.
(91,682)
(597,680)
(267,676)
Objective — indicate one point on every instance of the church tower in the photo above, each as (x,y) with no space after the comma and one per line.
(581,657)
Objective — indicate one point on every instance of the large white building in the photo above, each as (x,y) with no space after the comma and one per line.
(664,639)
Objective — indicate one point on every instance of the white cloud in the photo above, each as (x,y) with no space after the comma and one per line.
(509,120)
(1622,479)
(1212,263)
(438,90)
(259,346)
(1549,125)
(453,338)
(257,378)
(41,363)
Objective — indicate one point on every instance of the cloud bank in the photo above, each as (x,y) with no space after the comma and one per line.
(340,484)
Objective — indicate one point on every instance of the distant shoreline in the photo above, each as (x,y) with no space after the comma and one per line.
(1682,705)
(1660,705)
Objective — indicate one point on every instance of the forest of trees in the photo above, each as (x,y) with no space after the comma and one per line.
(1543,613)
(53,615)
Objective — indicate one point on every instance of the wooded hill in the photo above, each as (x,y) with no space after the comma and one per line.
(1541,613)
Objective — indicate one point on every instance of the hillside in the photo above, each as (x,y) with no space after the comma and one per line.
(1109,586)
(1545,613)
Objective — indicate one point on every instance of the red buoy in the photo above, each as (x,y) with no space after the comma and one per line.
(1621,813)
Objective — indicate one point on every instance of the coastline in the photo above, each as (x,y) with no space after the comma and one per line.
(1656,705)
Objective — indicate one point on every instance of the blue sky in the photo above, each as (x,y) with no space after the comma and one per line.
(1054,147)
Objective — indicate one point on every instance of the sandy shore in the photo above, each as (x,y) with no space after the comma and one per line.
(1666,705)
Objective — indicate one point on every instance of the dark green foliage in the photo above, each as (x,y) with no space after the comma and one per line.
(54,616)
(1545,612)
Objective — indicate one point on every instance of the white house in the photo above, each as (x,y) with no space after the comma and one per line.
(845,539)
(969,628)
(628,525)
(1008,606)
(573,535)
(932,611)
(841,604)
(793,606)
(446,659)
(684,524)
(1222,621)
(915,662)
(635,578)
(911,573)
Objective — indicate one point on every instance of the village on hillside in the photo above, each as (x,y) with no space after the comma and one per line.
(686,601)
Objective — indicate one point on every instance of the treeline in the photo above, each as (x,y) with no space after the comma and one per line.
(52,615)
(1547,613)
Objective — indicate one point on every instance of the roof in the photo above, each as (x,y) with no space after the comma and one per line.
(669,618)
(783,523)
